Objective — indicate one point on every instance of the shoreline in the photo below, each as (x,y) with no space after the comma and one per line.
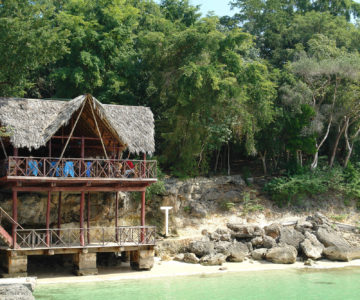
(175,269)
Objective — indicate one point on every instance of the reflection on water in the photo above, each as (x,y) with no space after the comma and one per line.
(286,284)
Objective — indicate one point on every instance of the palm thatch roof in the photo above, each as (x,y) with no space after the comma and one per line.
(33,121)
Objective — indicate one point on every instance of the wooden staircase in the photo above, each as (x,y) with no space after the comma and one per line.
(4,235)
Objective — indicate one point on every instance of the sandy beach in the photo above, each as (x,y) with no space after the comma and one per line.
(174,268)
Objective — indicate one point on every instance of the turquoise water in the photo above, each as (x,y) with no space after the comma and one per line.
(294,284)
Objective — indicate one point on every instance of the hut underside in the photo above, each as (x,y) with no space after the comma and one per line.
(80,150)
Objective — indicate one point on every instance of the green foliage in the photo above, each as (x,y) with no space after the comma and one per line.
(288,190)
(251,205)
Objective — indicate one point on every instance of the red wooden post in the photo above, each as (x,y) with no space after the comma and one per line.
(144,173)
(82,164)
(82,201)
(50,148)
(142,215)
(14,216)
(16,154)
(48,219)
(88,218)
(116,216)
(59,212)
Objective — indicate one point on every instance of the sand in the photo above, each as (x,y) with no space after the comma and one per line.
(174,268)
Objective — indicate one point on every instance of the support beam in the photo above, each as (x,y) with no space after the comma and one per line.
(142,235)
(48,219)
(78,189)
(88,218)
(82,202)
(59,211)
(116,216)
(14,216)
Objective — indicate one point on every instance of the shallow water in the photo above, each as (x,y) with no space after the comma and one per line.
(286,284)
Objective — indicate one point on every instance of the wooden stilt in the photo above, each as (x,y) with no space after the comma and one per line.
(142,215)
(88,218)
(116,216)
(59,212)
(14,216)
(48,219)
(82,202)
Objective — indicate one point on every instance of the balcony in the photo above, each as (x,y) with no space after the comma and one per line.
(77,168)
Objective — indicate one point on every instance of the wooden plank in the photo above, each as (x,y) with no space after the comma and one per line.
(48,219)
(82,203)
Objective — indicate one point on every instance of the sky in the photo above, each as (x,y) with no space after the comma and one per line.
(220,7)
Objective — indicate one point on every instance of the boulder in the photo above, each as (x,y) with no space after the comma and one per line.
(282,255)
(342,253)
(237,252)
(213,259)
(268,242)
(245,231)
(257,241)
(273,230)
(197,210)
(222,247)
(15,292)
(303,226)
(259,254)
(330,237)
(311,247)
(191,258)
(318,220)
(201,248)
(290,236)
(179,257)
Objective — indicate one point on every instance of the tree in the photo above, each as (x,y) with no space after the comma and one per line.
(31,36)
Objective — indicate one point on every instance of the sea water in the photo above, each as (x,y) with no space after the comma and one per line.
(304,284)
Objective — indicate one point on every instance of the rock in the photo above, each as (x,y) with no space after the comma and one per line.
(232,196)
(290,236)
(179,257)
(213,259)
(223,268)
(165,257)
(222,247)
(191,258)
(311,247)
(342,253)
(172,247)
(237,252)
(201,248)
(273,230)
(15,292)
(269,242)
(257,241)
(282,255)
(329,237)
(259,254)
(225,234)
(309,262)
(214,236)
(197,210)
(303,226)
(245,231)
(318,219)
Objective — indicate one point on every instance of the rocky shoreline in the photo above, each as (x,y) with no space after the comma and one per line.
(309,239)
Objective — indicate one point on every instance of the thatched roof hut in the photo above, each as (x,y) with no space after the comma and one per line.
(33,121)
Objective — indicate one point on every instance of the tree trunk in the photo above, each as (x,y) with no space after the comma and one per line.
(228,160)
(263,160)
(217,160)
(339,135)
(349,146)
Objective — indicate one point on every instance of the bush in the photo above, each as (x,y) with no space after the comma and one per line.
(290,189)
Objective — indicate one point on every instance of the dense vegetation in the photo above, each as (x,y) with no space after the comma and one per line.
(278,81)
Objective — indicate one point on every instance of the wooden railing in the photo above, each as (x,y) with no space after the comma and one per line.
(94,237)
(77,168)
(4,216)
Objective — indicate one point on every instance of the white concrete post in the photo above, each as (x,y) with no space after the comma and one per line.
(166,211)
